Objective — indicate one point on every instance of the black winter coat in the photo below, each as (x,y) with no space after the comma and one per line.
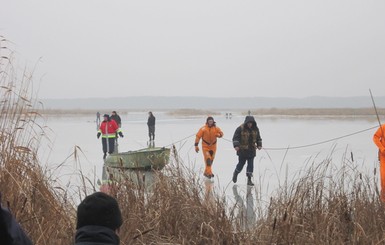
(96,235)
(247,139)
(117,119)
(11,232)
(151,121)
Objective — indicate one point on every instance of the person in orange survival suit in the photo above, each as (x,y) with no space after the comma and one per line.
(209,134)
(379,140)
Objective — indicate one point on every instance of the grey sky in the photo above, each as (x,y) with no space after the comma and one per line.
(218,48)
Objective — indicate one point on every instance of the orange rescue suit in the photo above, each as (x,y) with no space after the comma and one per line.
(209,137)
(379,140)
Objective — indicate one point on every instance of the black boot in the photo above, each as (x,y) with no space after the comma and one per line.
(207,175)
(249,182)
(105,155)
(235,175)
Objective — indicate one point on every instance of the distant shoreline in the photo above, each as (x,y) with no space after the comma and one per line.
(289,112)
(157,103)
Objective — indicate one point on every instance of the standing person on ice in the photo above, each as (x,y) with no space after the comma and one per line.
(379,140)
(209,134)
(116,118)
(246,140)
(151,126)
(108,130)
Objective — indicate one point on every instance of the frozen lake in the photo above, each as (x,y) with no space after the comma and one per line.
(272,164)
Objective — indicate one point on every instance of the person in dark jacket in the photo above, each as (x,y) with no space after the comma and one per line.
(98,220)
(116,118)
(151,126)
(11,232)
(246,140)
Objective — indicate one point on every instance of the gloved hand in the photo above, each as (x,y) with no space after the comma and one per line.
(219,135)
(98,135)
(196,149)
(121,134)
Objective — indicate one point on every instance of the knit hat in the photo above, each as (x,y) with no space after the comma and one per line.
(99,209)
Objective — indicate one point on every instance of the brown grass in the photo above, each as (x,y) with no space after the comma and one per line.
(328,205)
(41,209)
(175,210)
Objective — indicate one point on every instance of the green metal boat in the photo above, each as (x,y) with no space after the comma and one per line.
(153,158)
(133,165)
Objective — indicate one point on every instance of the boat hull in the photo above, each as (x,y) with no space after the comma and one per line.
(145,159)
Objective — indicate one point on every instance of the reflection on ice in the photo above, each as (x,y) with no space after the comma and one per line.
(209,198)
(246,216)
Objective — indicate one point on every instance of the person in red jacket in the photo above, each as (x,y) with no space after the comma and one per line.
(209,134)
(379,140)
(108,130)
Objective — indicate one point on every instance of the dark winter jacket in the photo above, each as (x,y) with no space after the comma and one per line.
(247,139)
(10,231)
(117,119)
(151,121)
(96,235)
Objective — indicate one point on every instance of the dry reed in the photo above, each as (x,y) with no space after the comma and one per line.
(31,197)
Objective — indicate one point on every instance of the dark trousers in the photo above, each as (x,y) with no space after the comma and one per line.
(151,132)
(250,165)
(110,147)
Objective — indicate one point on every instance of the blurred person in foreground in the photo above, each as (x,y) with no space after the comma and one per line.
(246,140)
(209,134)
(379,140)
(11,232)
(98,220)
(109,130)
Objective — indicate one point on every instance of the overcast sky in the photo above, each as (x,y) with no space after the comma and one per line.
(218,48)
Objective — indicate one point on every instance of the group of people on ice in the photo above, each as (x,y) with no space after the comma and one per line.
(110,130)
(246,140)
